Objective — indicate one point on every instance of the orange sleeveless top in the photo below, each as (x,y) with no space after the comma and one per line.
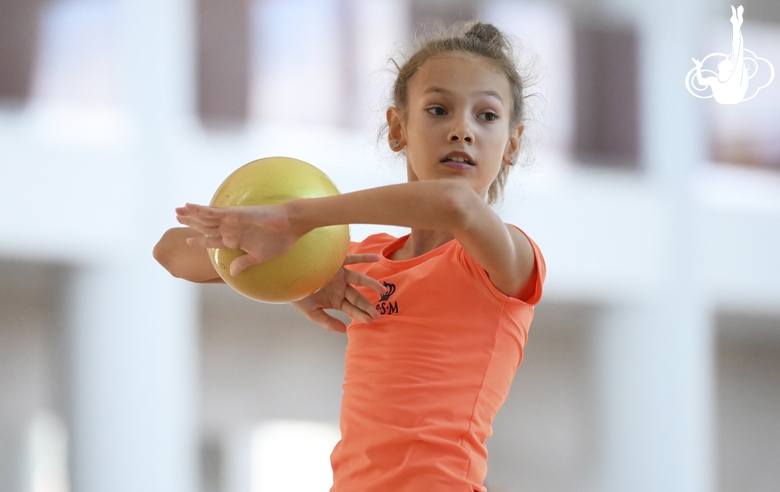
(423,384)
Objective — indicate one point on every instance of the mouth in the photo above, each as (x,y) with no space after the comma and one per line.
(459,159)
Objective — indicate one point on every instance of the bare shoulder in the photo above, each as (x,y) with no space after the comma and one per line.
(501,249)
(516,282)
(522,244)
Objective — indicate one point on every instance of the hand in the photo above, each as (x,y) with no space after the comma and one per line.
(262,232)
(697,62)
(340,294)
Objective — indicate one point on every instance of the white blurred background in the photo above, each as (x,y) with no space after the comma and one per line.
(654,359)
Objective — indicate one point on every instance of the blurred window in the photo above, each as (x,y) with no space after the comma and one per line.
(223,28)
(78,56)
(297,61)
(747,133)
(542,33)
(606,98)
(18,38)
(747,402)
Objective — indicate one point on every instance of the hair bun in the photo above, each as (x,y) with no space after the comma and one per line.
(485,33)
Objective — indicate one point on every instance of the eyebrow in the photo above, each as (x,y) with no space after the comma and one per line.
(484,93)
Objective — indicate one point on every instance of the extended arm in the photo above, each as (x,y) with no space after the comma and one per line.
(192,263)
(501,250)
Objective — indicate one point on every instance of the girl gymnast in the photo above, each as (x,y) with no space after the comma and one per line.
(440,316)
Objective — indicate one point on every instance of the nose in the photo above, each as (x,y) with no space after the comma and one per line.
(461,131)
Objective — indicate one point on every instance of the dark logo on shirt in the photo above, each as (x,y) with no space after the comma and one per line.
(390,291)
(385,305)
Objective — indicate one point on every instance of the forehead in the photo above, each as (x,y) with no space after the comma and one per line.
(460,73)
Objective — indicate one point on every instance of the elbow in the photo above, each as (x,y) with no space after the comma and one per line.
(158,252)
(161,255)
(164,256)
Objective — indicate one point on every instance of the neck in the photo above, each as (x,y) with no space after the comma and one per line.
(422,241)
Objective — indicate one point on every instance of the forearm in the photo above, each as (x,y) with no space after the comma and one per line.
(182,260)
(433,205)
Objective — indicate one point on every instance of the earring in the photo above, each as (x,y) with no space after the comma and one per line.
(510,162)
(395,144)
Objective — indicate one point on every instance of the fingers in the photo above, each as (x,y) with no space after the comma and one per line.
(355,278)
(206,242)
(314,310)
(327,321)
(206,215)
(355,313)
(347,300)
(357,307)
(205,220)
(352,259)
(196,224)
(211,213)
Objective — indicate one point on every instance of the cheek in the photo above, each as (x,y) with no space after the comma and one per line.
(421,137)
(496,143)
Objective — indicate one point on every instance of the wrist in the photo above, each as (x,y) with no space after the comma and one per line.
(299,220)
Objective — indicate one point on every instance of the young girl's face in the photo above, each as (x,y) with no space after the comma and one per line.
(457,123)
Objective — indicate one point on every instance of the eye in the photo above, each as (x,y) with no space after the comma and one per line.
(437,111)
(489,116)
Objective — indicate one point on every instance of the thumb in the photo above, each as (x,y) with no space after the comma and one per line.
(241,263)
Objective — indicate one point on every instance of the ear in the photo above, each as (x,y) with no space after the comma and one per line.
(395,129)
(513,145)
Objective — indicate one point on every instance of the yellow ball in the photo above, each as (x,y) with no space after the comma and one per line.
(312,261)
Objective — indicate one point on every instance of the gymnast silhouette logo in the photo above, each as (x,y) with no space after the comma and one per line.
(735,70)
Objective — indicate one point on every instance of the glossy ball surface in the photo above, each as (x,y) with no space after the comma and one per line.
(312,261)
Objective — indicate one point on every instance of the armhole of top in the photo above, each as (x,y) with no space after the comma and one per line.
(540,271)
